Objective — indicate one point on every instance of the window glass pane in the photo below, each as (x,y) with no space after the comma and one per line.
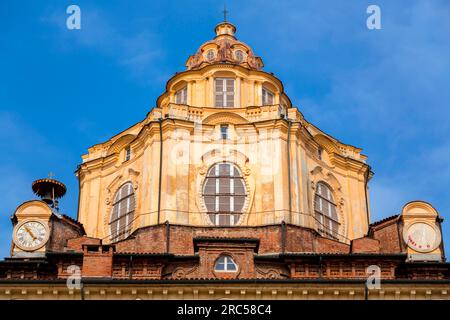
(230,85)
(210,186)
(224,169)
(219,100)
(224,185)
(220,267)
(224,131)
(219,85)
(231,266)
(224,203)
(230,100)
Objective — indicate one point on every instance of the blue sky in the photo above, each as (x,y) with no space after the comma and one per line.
(386,91)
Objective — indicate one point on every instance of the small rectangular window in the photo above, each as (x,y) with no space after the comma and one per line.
(224,92)
(127,153)
(267,97)
(224,131)
(181,96)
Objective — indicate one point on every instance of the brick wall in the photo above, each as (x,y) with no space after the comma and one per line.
(366,245)
(97,261)
(61,232)
(388,236)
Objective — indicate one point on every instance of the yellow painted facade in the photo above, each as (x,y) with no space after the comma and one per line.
(281,155)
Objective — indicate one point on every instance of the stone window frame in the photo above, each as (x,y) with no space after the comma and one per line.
(126,176)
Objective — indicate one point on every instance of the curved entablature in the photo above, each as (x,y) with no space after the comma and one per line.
(224,85)
(419,208)
(224,117)
(120,143)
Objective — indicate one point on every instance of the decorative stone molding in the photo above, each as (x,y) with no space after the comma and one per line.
(128,175)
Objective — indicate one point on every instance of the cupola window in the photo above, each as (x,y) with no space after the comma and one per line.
(224,194)
(181,96)
(239,55)
(122,212)
(224,92)
(210,55)
(225,264)
(325,211)
(267,97)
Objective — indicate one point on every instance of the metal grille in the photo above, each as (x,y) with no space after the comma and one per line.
(224,194)
(122,212)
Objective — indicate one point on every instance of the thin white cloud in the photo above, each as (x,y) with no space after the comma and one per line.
(140,52)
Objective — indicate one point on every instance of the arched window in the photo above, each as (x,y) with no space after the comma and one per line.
(325,210)
(122,212)
(225,264)
(224,194)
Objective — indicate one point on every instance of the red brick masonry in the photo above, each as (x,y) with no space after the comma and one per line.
(280,251)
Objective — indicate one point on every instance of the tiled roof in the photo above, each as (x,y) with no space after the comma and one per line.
(383,220)
(231,239)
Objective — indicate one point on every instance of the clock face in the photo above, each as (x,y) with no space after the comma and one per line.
(30,235)
(422,237)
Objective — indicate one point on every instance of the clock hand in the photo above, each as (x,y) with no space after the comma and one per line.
(31,233)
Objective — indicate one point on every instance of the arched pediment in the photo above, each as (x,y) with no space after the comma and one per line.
(224,117)
(120,143)
(326,143)
(419,208)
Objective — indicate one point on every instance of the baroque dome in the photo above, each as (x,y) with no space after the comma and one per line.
(224,48)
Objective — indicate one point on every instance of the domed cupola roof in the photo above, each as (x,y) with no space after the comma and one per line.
(224,48)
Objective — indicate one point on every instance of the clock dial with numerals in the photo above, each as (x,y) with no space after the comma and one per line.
(422,237)
(31,235)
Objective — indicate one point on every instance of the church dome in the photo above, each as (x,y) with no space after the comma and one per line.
(224,48)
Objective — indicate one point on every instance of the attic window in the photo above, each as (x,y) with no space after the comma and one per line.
(225,264)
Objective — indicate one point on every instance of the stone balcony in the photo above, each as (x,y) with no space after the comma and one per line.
(199,114)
